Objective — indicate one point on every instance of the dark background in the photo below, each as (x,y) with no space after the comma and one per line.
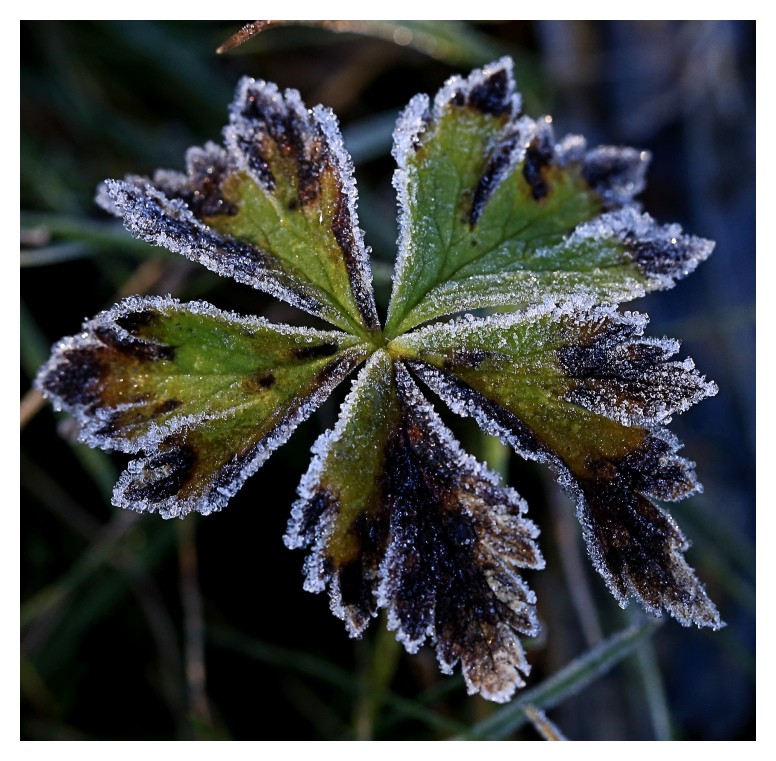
(114,604)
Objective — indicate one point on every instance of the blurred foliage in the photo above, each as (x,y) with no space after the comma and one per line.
(137,628)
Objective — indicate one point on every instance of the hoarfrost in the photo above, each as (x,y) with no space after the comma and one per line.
(618,373)
(87,373)
(154,483)
(149,215)
(169,211)
(358,255)
(445,542)
(431,536)
(409,127)
(662,252)
(77,380)
(490,89)
(618,174)
(315,136)
(442,577)
(570,150)
(299,532)
(516,271)
(634,544)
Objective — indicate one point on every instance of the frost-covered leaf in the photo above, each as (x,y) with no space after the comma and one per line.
(394,515)
(586,392)
(494,212)
(206,395)
(397,516)
(275,208)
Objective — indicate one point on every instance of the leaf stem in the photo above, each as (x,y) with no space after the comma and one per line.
(379,660)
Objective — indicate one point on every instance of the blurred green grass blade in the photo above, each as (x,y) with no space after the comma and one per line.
(69,622)
(56,254)
(316,709)
(56,619)
(47,180)
(75,98)
(370,137)
(388,720)
(105,234)
(283,658)
(33,344)
(739,588)
(740,652)
(99,597)
(454,42)
(386,657)
(36,480)
(318,668)
(728,556)
(648,668)
(99,467)
(721,534)
(169,49)
(659,713)
(567,682)
(495,454)
(379,659)
(122,531)
(34,688)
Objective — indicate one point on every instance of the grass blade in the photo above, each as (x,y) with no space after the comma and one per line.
(567,682)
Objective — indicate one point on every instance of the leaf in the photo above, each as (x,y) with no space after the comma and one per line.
(494,213)
(586,392)
(394,515)
(275,208)
(206,395)
(397,516)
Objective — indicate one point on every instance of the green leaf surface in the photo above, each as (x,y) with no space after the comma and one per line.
(494,213)
(207,394)
(585,392)
(345,490)
(275,209)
